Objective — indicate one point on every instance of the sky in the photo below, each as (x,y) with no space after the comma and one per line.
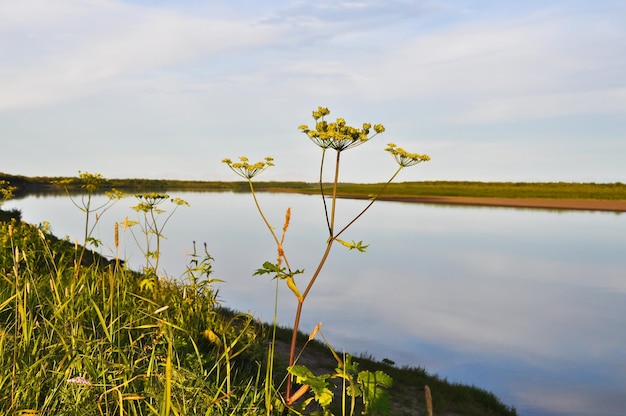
(490,90)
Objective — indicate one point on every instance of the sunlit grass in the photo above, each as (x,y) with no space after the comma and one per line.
(97,343)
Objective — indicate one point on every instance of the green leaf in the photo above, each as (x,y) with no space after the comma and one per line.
(349,367)
(375,397)
(353,245)
(280,272)
(320,387)
(269,268)
(349,370)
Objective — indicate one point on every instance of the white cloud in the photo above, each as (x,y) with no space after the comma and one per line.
(546,106)
(510,70)
(460,77)
(119,41)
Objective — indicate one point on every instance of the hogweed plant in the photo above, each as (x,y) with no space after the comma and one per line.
(6,191)
(335,136)
(91,184)
(152,221)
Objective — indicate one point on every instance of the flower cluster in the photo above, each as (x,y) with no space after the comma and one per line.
(149,202)
(338,135)
(405,158)
(6,191)
(247,170)
(79,380)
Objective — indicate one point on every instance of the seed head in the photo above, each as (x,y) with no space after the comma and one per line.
(249,170)
(338,135)
(404,158)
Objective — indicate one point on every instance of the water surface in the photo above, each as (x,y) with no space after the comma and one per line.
(529,304)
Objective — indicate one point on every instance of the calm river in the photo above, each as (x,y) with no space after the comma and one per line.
(529,304)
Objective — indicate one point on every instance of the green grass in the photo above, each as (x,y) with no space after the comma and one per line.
(146,352)
(135,353)
(553,190)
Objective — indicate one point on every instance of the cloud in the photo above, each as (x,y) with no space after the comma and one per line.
(352,13)
(119,42)
(546,106)
(467,77)
(571,400)
(513,69)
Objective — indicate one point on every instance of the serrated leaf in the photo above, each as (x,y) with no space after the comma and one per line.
(375,397)
(353,245)
(349,367)
(319,386)
(268,268)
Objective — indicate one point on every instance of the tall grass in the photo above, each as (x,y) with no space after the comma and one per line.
(97,343)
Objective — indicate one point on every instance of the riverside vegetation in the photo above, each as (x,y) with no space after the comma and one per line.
(516,190)
(82,334)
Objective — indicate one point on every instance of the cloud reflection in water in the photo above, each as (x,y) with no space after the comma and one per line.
(528,304)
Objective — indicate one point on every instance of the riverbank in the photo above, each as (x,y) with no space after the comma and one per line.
(115,303)
(541,195)
(531,203)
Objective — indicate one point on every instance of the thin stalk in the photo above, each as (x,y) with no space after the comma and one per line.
(157,253)
(146,232)
(158,231)
(269,227)
(371,202)
(331,240)
(329,244)
(87,209)
(16,331)
(270,359)
(322,191)
(334,199)
(296,324)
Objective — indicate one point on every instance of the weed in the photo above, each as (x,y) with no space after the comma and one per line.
(340,137)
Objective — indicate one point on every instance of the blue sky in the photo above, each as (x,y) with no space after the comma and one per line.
(491,90)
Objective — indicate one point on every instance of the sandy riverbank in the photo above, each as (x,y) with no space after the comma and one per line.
(557,204)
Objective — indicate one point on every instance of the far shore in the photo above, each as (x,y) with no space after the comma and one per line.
(607,197)
(538,203)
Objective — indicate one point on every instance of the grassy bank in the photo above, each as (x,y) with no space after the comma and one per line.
(98,338)
(553,190)
(84,335)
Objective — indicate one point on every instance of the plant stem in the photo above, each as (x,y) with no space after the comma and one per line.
(158,242)
(269,227)
(330,232)
(371,202)
(334,199)
(329,244)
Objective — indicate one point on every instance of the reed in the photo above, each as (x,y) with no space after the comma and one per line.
(429,400)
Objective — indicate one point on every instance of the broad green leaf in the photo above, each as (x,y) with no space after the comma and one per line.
(375,397)
(319,385)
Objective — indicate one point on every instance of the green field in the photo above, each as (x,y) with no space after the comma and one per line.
(552,190)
